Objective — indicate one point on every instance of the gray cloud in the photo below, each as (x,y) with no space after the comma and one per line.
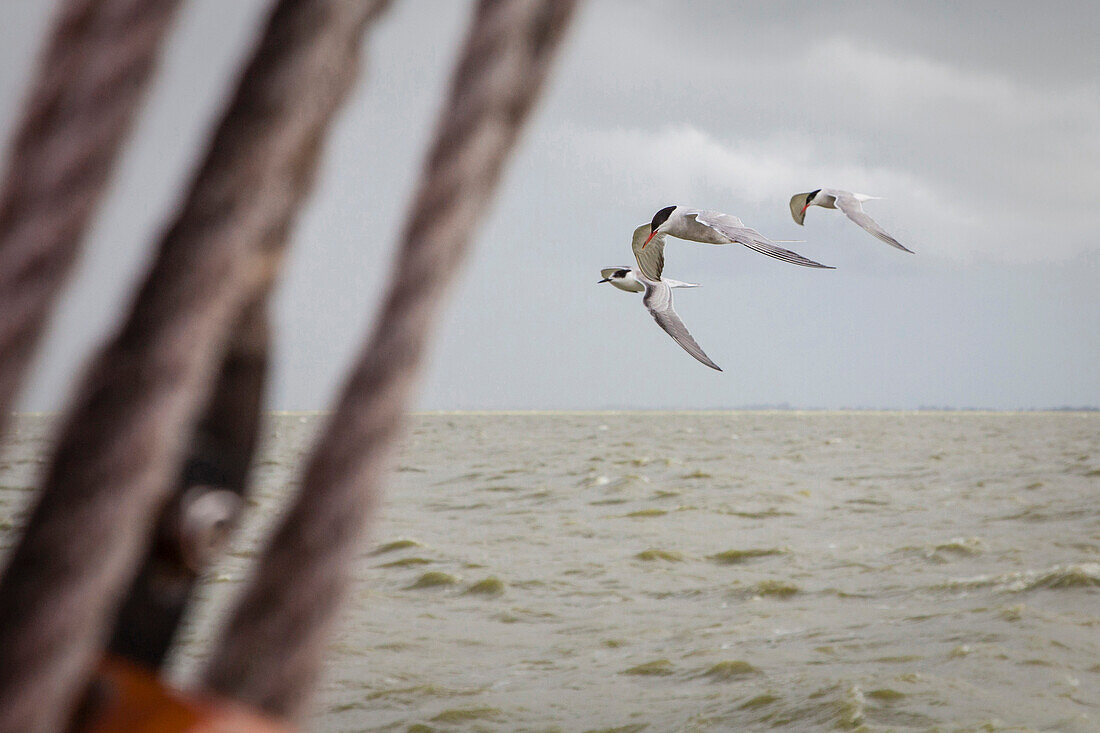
(976,121)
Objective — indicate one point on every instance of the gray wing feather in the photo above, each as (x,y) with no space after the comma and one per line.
(853,209)
(651,260)
(731,226)
(658,299)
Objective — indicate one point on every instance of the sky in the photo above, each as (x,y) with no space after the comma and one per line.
(976,122)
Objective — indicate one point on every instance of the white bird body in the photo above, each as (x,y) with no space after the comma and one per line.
(683,224)
(847,201)
(827,197)
(714,227)
(624,279)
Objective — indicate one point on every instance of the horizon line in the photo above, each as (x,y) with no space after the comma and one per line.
(702,410)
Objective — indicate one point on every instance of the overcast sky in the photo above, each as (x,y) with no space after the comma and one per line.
(978,122)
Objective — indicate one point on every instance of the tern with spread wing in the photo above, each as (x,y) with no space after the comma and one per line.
(658,292)
(850,203)
(713,227)
(624,279)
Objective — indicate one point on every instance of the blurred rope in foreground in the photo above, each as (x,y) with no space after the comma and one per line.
(270,651)
(91,78)
(122,442)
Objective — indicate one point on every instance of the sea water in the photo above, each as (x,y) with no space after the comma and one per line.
(668,571)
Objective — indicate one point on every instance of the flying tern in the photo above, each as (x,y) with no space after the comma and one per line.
(658,293)
(850,203)
(624,279)
(711,227)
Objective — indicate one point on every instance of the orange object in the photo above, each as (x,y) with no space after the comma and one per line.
(127,698)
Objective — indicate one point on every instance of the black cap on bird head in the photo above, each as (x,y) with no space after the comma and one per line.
(800,202)
(661,217)
(612,273)
(658,219)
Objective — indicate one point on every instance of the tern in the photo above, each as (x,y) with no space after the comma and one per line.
(850,203)
(658,292)
(712,227)
(624,279)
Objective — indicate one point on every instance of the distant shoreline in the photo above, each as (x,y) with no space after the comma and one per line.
(706,411)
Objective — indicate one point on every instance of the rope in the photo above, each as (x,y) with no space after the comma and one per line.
(123,441)
(269,654)
(90,81)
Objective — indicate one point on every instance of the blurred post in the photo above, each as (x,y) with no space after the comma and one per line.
(196,522)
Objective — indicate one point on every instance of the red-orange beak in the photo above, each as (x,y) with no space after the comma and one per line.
(647,239)
(806,206)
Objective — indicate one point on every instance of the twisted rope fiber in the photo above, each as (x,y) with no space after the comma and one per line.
(90,82)
(269,654)
(121,446)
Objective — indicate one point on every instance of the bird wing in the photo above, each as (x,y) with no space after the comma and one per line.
(853,209)
(797,202)
(731,226)
(651,260)
(658,299)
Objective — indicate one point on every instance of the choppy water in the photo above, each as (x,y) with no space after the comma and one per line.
(706,572)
